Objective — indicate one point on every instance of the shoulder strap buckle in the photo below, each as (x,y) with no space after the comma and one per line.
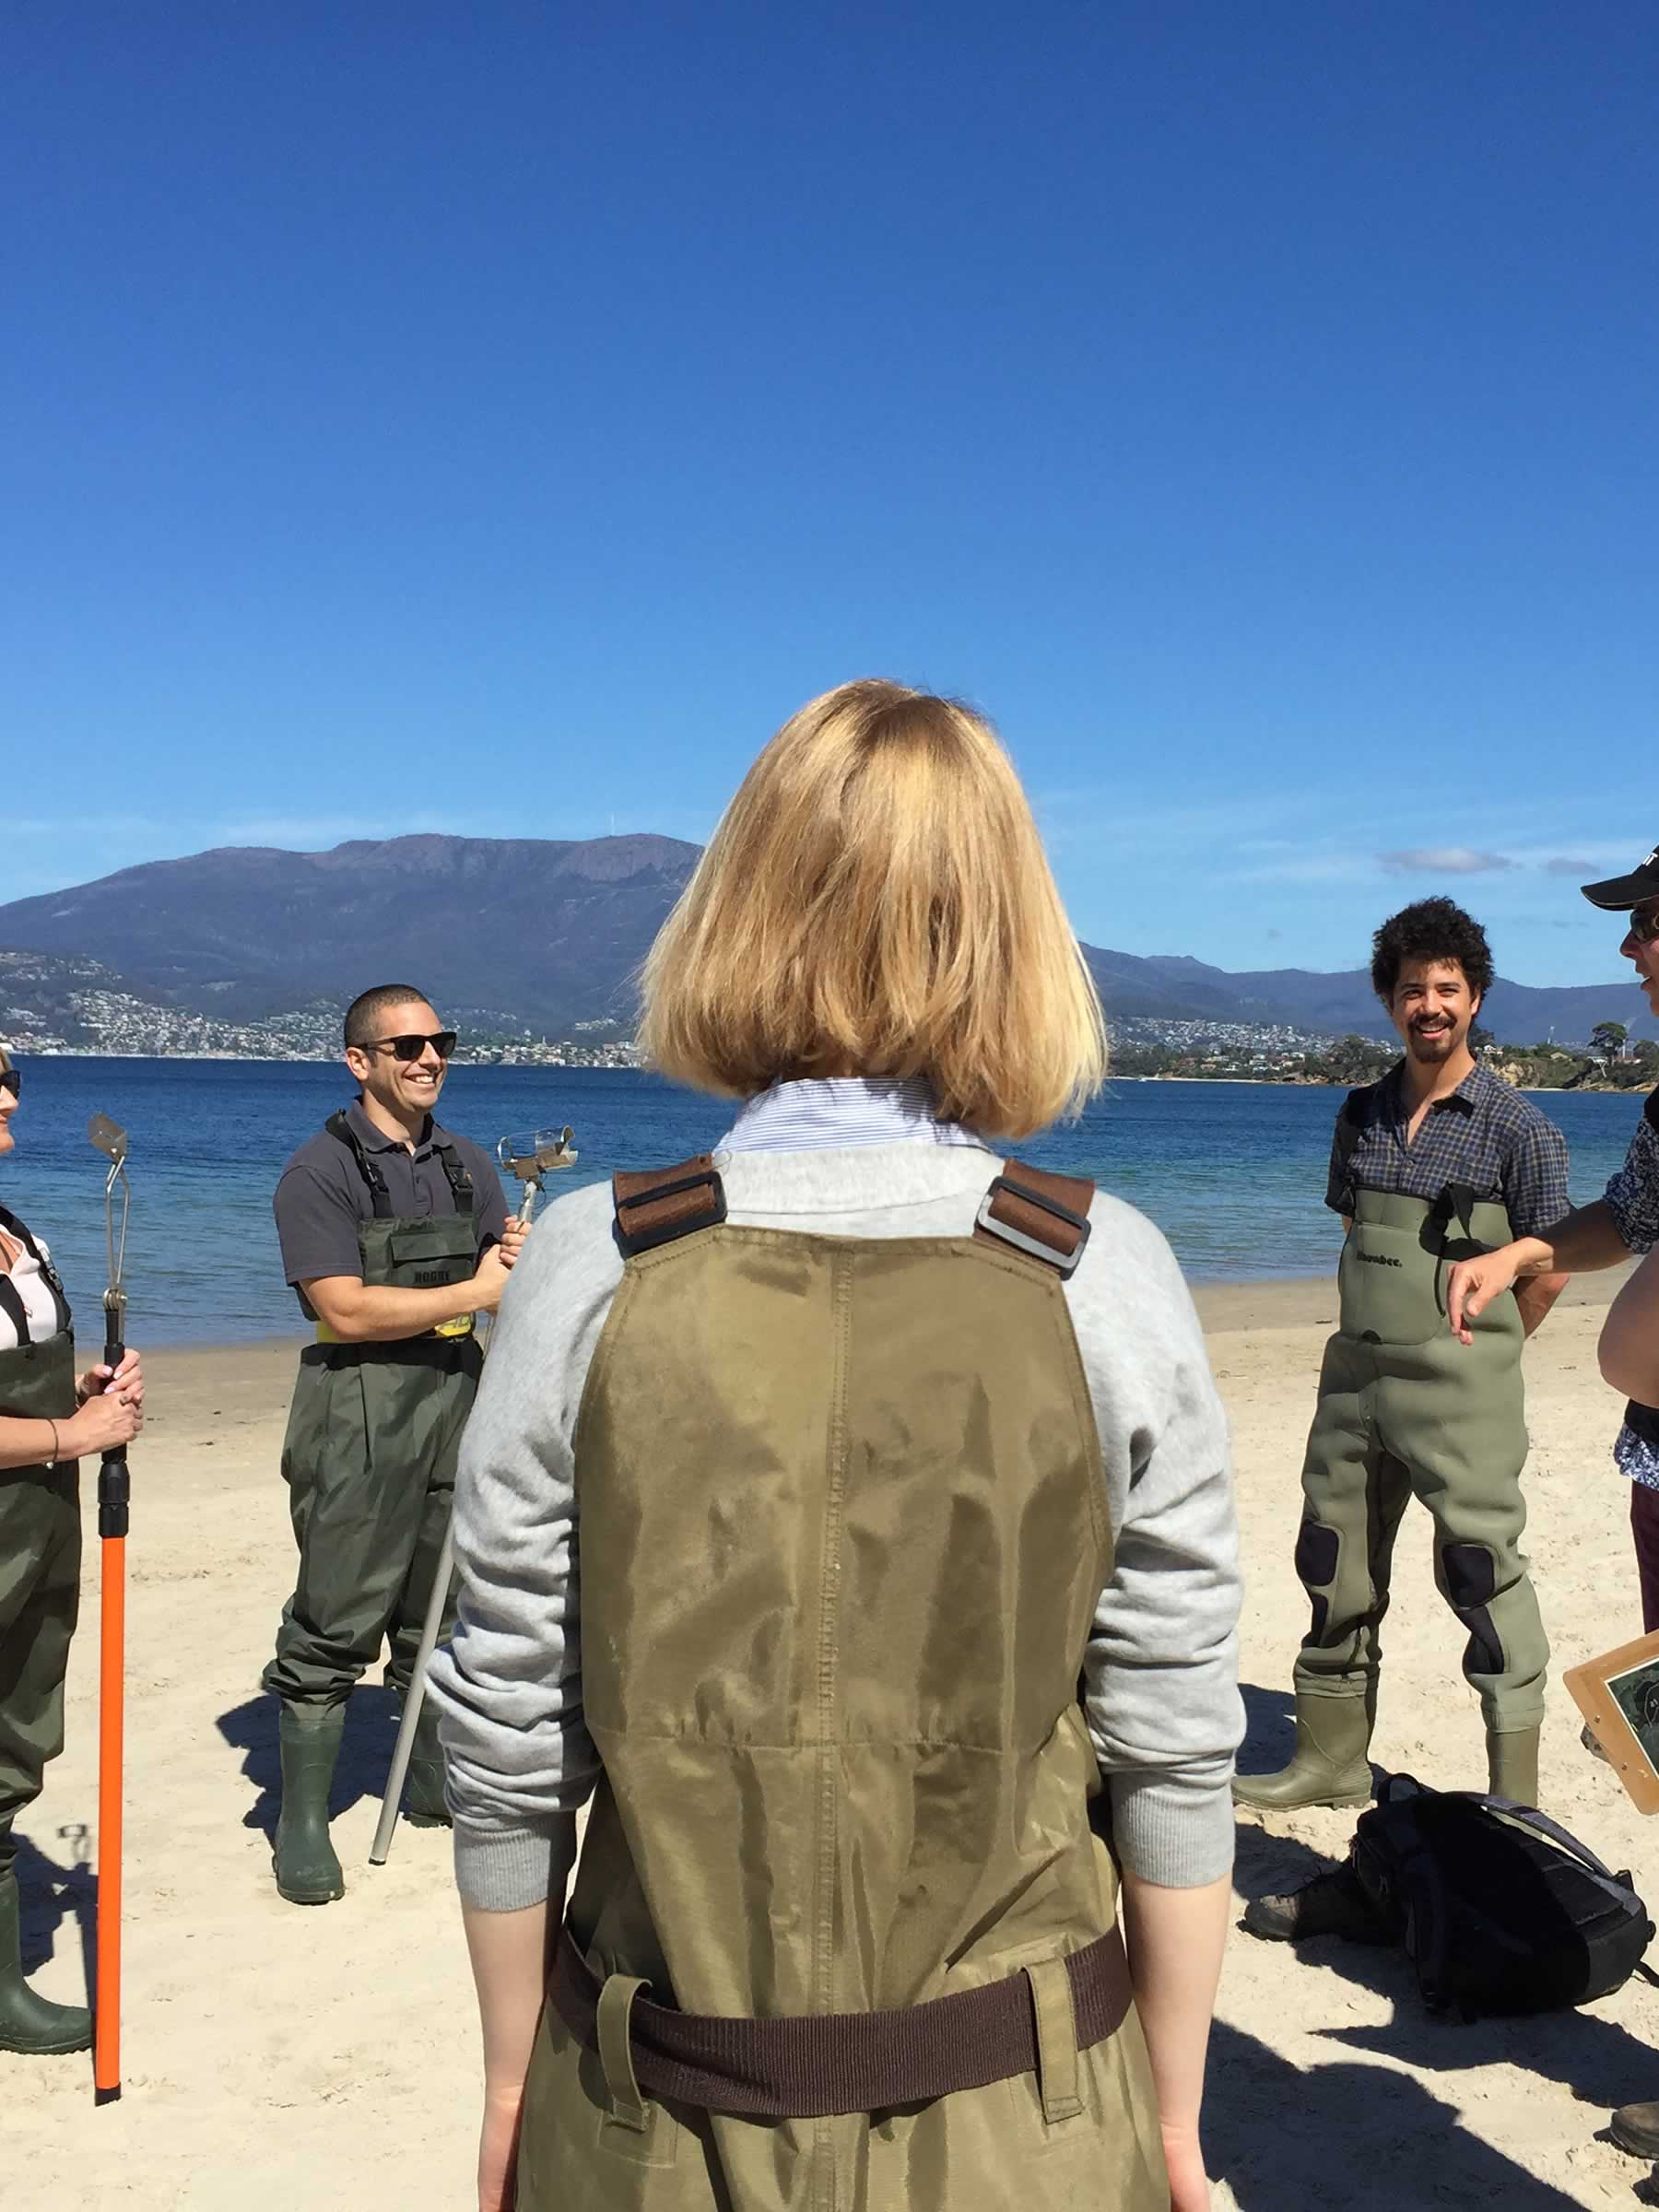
(1044,1215)
(655,1206)
(455,1170)
(341,1130)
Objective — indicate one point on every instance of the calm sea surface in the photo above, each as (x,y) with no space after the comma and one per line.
(1232,1172)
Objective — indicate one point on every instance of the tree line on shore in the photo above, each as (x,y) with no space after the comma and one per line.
(1609,1062)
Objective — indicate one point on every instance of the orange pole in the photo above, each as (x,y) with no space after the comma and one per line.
(106,2049)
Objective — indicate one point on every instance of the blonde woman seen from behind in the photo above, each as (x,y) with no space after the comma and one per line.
(871,1443)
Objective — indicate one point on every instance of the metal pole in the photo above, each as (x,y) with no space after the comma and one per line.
(380,1850)
(113,1494)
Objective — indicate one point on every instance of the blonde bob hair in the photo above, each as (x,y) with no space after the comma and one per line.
(877,901)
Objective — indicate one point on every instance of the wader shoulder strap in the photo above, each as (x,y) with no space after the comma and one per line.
(454,1171)
(11,1303)
(1351,1120)
(655,1206)
(341,1130)
(1650,1112)
(1456,1203)
(1044,1215)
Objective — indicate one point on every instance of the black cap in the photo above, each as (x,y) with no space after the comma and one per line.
(1641,884)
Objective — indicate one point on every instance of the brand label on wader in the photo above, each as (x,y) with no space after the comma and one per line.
(1378,1259)
(437,1278)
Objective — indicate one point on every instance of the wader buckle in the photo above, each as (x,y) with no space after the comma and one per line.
(1051,1252)
(650,1209)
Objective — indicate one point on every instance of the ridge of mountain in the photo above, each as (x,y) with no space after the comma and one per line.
(543,934)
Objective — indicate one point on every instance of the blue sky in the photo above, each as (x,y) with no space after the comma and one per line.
(497,420)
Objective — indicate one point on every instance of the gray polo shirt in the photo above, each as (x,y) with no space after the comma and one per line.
(321,1195)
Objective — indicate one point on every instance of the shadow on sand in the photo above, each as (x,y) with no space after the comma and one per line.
(1354,2118)
(52,1893)
(365,1753)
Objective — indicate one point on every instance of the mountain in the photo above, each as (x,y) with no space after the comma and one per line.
(529,932)
(501,932)
(1177,988)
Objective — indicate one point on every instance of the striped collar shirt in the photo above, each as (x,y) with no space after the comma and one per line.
(836,1112)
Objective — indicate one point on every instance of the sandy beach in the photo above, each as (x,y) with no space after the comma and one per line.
(276,2057)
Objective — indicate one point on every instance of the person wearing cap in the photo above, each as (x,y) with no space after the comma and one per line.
(395,1235)
(50,1418)
(1625,1219)
(1434,1162)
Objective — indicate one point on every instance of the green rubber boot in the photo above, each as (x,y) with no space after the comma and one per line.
(308,1873)
(29,2022)
(1329,1766)
(423,1799)
(1512,1765)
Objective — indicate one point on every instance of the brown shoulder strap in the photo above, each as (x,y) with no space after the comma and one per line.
(1043,1216)
(655,1206)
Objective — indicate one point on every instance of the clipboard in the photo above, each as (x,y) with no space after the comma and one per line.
(1618,1696)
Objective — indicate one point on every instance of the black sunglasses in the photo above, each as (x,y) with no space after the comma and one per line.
(11,1078)
(1644,927)
(442,1043)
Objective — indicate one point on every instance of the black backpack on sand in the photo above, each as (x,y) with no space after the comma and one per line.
(1499,1910)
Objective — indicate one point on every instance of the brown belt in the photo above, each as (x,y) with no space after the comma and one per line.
(806,2065)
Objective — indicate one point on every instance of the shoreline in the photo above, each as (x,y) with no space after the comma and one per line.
(1226,1306)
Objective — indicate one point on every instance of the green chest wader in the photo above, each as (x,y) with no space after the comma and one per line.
(842,1938)
(370,1456)
(1405,1409)
(40,1551)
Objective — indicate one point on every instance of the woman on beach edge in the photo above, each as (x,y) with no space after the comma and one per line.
(874,1455)
(48,1419)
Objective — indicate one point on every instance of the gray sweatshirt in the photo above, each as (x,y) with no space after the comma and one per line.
(1161,1667)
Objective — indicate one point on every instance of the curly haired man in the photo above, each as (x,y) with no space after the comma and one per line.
(1435,1162)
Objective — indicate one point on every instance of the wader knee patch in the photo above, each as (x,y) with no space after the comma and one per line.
(1485,1655)
(1057,2039)
(1316,1554)
(1471,1575)
(616,2052)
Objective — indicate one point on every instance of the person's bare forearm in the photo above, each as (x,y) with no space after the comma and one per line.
(27,1443)
(385,1313)
(509,1954)
(509,1958)
(1534,1295)
(1175,1939)
(1577,1245)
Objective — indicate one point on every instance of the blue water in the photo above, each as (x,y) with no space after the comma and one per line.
(1232,1172)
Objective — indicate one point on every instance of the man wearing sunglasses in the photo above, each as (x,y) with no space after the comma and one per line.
(394,1236)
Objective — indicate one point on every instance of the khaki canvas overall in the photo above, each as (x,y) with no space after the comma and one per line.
(1405,1409)
(842,1530)
(373,1433)
(39,1558)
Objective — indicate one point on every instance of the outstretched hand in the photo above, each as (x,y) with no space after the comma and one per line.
(1474,1284)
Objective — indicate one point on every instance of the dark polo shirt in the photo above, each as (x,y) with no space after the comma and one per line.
(321,1195)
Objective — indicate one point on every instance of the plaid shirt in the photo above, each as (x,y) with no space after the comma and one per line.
(1483,1133)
